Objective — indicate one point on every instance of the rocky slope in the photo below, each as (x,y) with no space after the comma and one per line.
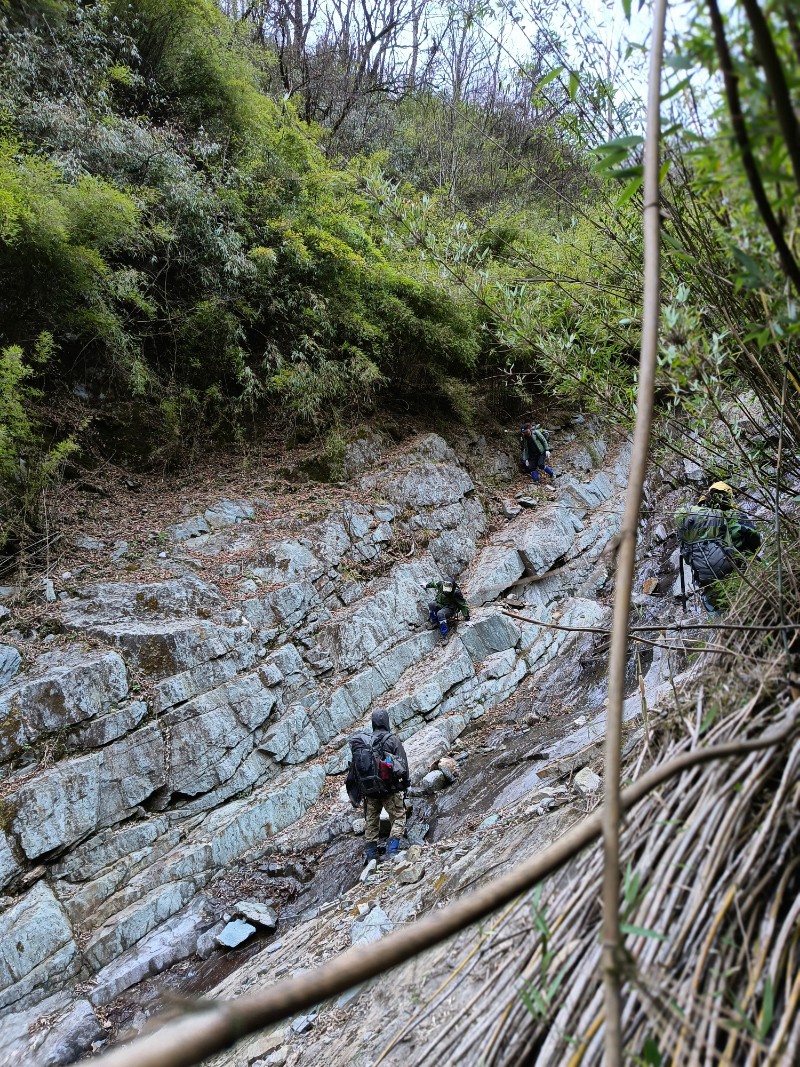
(192,724)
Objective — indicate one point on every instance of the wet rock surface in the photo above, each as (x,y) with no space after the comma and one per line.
(205,730)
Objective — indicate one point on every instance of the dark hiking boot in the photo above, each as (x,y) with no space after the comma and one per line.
(370,852)
(392,847)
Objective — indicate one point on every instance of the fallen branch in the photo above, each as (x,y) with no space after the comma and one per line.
(190,1040)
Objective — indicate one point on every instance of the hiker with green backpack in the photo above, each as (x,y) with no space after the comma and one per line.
(535,450)
(447,604)
(715,540)
(378,777)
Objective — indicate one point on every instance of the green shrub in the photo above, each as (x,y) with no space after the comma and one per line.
(26,464)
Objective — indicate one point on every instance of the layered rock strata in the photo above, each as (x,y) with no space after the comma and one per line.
(181,729)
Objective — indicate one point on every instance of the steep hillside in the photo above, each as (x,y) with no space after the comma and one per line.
(188,719)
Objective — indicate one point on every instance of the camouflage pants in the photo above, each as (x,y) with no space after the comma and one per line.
(395,809)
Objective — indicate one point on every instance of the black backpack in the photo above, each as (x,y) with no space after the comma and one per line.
(367,755)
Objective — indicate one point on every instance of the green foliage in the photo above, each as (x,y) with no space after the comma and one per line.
(26,464)
(186,242)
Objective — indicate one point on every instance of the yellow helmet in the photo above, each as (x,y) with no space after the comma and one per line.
(720,487)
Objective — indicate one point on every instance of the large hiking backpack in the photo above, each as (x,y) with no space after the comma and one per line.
(368,764)
(705,544)
(539,439)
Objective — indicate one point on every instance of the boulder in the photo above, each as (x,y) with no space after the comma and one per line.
(235,933)
(361,454)
(258,914)
(693,472)
(586,782)
(38,954)
(193,527)
(434,781)
(228,513)
(449,768)
(414,872)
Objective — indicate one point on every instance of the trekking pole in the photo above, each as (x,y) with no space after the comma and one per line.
(683,584)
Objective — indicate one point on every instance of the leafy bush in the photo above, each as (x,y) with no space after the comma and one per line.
(26,464)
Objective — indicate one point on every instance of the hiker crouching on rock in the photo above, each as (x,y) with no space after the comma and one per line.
(715,540)
(535,451)
(449,602)
(378,776)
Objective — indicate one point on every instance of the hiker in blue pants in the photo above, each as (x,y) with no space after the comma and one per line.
(534,451)
(448,602)
(378,778)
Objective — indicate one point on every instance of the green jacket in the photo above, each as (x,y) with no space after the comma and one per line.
(454,599)
(699,522)
(533,446)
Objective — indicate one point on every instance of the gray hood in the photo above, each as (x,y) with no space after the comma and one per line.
(380,719)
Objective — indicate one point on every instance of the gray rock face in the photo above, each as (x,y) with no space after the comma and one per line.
(78,796)
(377,620)
(37,950)
(211,735)
(286,562)
(293,739)
(237,702)
(239,825)
(543,537)
(176,597)
(173,941)
(10,661)
(495,569)
(71,1037)
(228,513)
(425,748)
(61,696)
(193,527)
(9,867)
(487,632)
(372,928)
(363,453)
